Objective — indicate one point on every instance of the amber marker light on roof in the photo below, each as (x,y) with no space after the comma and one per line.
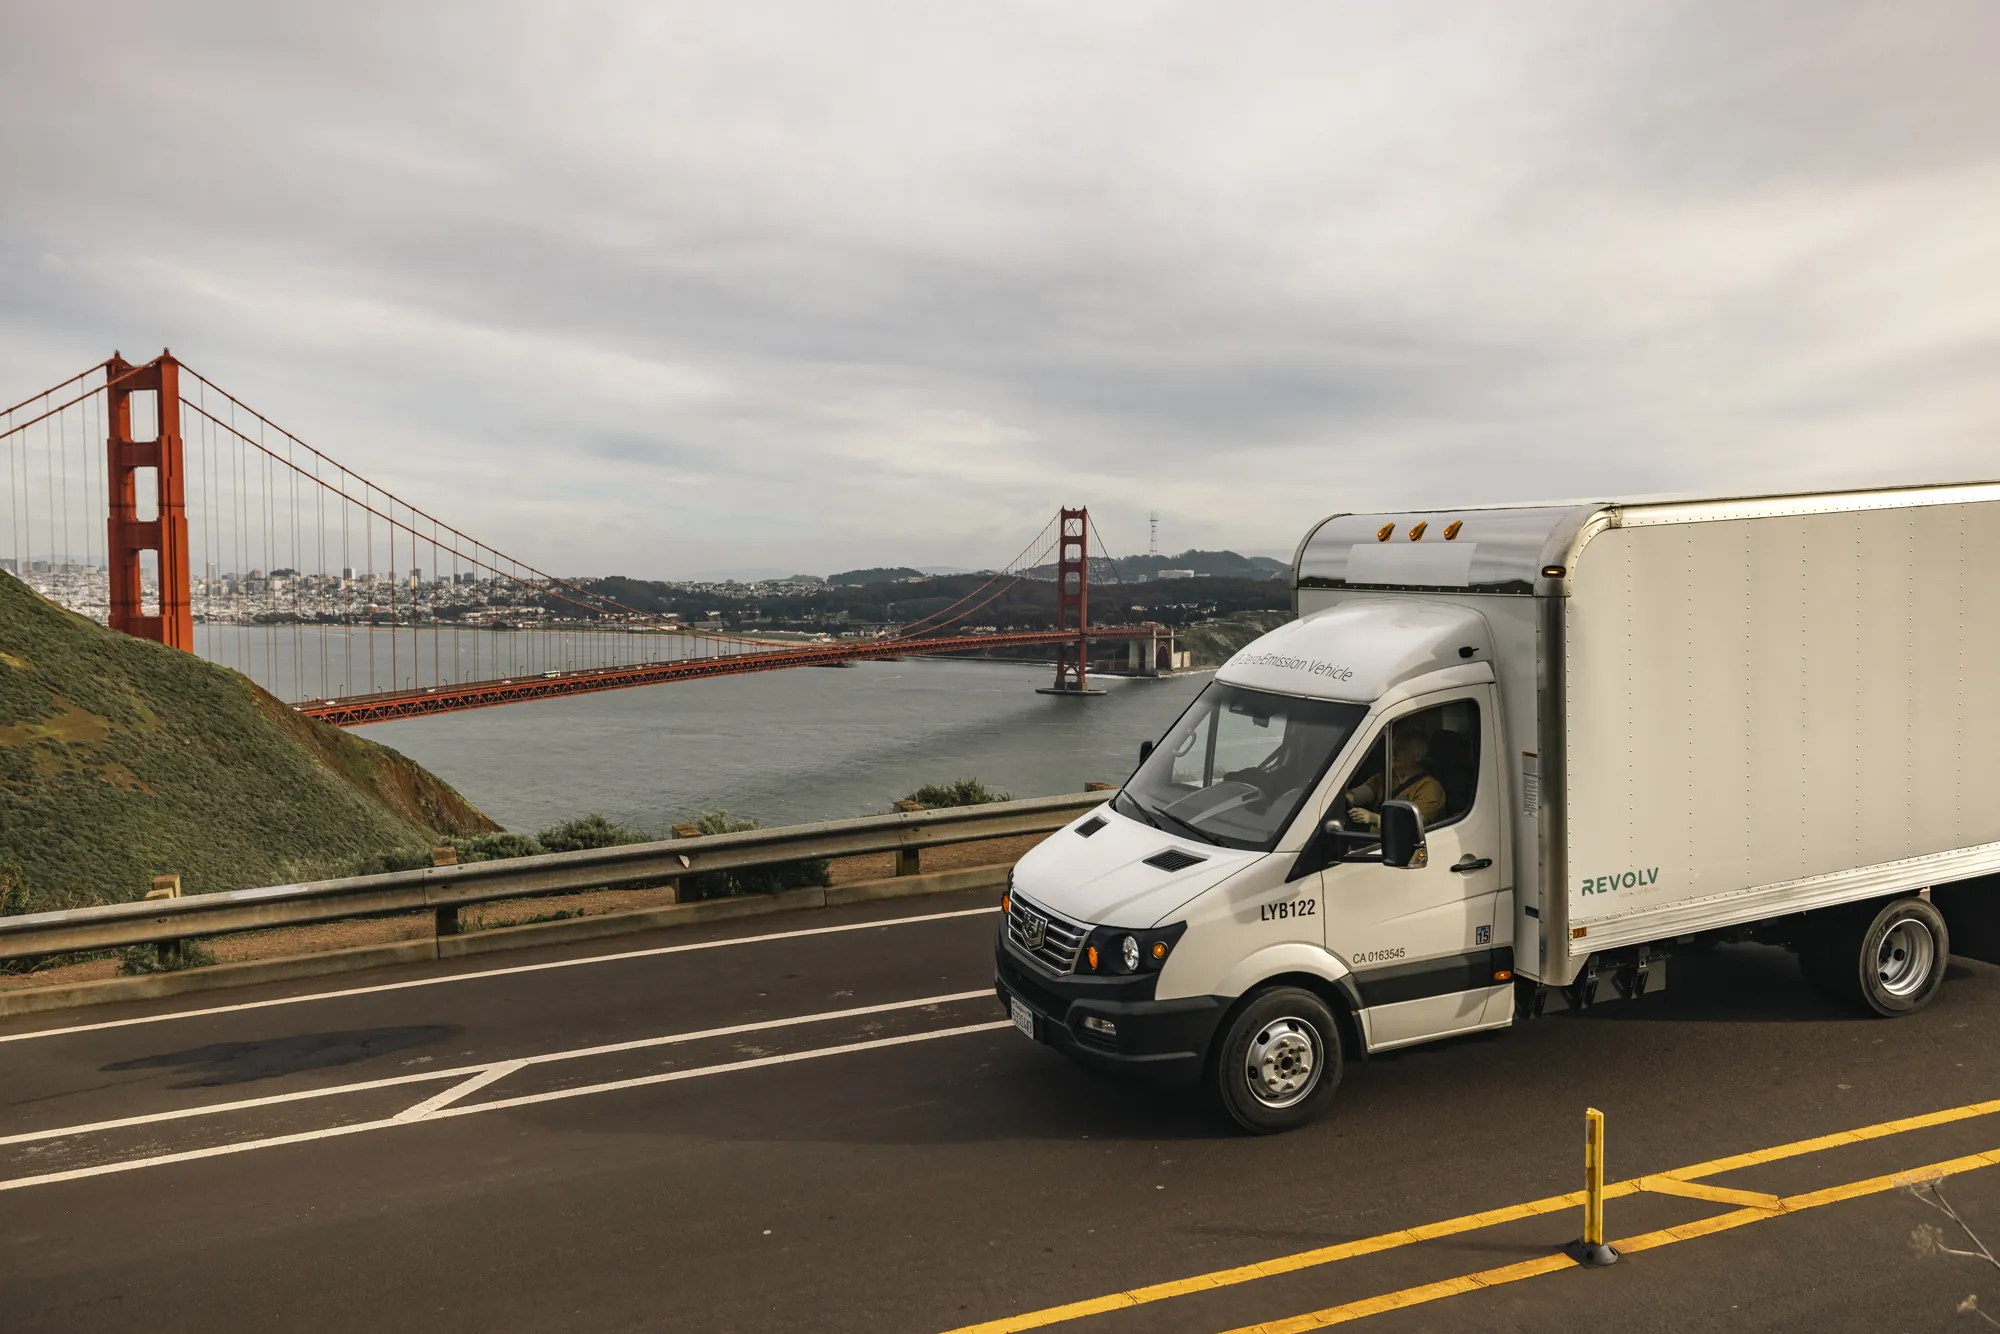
(1417,533)
(1385,532)
(1451,529)
(1552,572)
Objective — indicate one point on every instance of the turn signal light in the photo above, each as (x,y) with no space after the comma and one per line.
(1159,949)
(1006,904)
(1504,975)
(1092,953)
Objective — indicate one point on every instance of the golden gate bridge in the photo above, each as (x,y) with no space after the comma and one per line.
(138,471)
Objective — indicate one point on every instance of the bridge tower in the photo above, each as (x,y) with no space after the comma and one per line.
(1073,603)
(166,534)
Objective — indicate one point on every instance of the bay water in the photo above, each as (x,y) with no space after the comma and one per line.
(789,747)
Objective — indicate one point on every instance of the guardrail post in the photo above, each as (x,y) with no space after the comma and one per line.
(674,886)
(168,952)
(446,915)
(909,861)
(1591,1250)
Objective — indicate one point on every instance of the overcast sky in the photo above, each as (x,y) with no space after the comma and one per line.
(663,289)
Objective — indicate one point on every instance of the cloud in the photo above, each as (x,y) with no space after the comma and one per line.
(659,288)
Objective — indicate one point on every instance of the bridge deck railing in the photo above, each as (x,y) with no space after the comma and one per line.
(450,887)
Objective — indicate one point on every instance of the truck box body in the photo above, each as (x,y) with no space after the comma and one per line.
(1737,710)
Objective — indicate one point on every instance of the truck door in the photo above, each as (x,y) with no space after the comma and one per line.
(1420,941)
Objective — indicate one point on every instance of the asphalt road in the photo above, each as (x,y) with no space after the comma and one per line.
(811,1129)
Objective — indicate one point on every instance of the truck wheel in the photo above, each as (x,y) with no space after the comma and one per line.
(1279,1061)
(1887,959)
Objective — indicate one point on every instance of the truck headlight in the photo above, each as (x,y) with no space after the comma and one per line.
(1120,949)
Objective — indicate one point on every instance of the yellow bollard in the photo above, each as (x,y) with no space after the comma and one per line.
(1592,1250)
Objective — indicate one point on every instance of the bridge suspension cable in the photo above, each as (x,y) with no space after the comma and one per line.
(158,502)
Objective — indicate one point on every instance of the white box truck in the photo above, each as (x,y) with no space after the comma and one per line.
(1509,760)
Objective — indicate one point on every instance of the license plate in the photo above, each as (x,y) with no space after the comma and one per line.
(1024,1018)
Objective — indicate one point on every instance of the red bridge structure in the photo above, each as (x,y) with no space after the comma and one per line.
(158,503)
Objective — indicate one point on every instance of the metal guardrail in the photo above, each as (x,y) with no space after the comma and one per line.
(448,888)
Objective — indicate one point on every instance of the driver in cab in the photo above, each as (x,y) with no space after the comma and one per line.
(1409,781)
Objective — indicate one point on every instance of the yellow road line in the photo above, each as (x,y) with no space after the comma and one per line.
(1836,1140)
(1689,1190)
(1286,1264)
(1514,1273)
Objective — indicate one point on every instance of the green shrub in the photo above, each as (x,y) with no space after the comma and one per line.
(587,831)
(495,847)
(958,792)
(802,874)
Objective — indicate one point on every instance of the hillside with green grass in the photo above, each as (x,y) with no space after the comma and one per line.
(121,760)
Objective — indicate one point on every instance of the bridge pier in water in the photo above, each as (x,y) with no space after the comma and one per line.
(1073,604)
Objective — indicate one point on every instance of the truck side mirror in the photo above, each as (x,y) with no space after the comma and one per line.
(1145,751)
(1403,836)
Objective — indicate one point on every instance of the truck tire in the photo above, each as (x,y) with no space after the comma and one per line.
(1878,958)
(1278,1060)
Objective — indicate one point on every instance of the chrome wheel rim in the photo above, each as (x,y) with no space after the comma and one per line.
(1903,963)
(1283,1063)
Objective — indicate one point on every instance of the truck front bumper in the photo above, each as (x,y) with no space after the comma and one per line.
(1162,1042)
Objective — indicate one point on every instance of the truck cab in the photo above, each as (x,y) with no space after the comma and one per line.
(1311,863)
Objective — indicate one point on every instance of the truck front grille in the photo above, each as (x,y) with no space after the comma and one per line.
(1057,941)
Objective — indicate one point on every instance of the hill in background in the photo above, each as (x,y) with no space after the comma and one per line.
(878,574)
(122,759)
(1141,569)
(1223,564)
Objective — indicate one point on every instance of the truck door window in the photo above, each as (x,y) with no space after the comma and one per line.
(1432,757)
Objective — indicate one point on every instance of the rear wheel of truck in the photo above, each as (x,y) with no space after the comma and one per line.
(1880,958)
(1278,1061)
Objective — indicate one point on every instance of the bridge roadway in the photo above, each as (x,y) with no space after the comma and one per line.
(355,710)
(802,1129)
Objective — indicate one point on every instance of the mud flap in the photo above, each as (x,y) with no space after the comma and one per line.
(1971,911)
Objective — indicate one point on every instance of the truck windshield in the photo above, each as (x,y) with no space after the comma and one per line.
(1238,764)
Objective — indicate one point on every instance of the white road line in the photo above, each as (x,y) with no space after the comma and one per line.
(214,1108)
(496,972)
(389,1123)
(418,1111)
(671,1076)
(511,1064)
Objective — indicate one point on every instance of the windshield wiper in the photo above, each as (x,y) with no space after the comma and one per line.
(1192,831)
(1126,804)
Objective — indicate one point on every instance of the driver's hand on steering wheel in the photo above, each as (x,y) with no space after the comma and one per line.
(1368,820)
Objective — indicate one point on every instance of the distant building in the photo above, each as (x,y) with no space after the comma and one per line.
(1175,574)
